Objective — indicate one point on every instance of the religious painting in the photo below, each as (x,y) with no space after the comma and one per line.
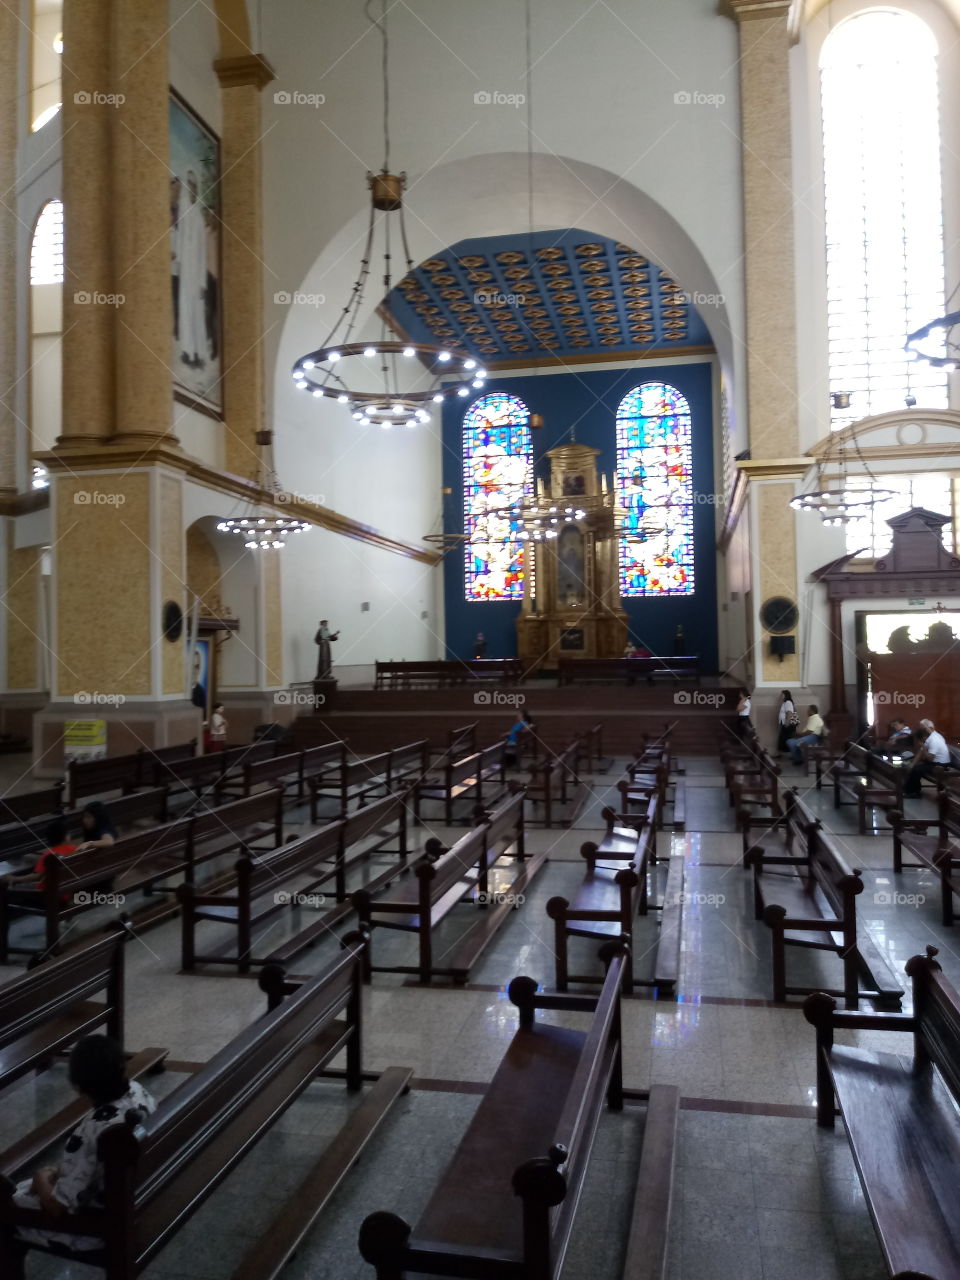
(572,640)
(571,584)
(197,346)
(200,673)
(497,475)
(574,486)
(655,487)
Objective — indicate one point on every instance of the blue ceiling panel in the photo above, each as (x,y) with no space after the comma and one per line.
(556,293)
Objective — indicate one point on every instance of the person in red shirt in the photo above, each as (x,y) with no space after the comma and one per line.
(57,845)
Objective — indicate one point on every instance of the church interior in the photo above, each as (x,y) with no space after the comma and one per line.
(480,583)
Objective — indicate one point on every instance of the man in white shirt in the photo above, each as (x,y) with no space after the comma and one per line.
(812,733)
(934,752)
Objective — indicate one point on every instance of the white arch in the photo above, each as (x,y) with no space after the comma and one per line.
(480,196)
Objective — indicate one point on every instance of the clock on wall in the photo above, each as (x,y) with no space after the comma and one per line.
(778,615)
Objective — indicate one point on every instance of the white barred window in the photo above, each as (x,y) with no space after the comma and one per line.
(46,254)
(884,224)
(871,534)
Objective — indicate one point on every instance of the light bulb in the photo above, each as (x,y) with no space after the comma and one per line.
(408,351)
(343,399)
(308,364)
(443,357)
(462,391)
(370,351)
(438,398)
(358,417)
(386,425)
(365,422)
(397,408)
(469,364)
(411,422)
(319,393)
(301,384)
(478,382)
(333,355)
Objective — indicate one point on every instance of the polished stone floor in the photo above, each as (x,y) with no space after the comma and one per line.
(760,1192)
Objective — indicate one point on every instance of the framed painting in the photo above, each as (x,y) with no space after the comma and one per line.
(201,677)
(195,252)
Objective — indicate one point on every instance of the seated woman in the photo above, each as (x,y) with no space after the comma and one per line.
(97,826)
(98,1073)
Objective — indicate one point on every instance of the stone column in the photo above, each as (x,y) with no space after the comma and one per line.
(88,203)
(241,79)
(768,227)
(141,222)
(10,31)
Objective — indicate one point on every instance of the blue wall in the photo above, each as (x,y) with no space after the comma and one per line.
(588,401)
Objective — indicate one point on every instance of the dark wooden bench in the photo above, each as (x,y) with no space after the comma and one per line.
(603,908)
(806,893)
(121,773)
(288,878)
(445,673)
(479,778)
(17,809)
(106,877)
(868,781)
(461,741)
(649,774)
(591,758)
(625,833)
(628,670)
(353,781)
(442,880)
(28,840)
(157,1174)
(554,783)
(275,771)
(940,852)
(756,789)
(902,1117)
(46,1010)
(505,1206)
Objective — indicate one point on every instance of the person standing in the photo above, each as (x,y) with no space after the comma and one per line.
(812,733)
(480,646)
(744,727)
(788,720)
(323,640)
(218,728)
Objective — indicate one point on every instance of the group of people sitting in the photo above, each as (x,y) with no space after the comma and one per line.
(97,831)
(926,747)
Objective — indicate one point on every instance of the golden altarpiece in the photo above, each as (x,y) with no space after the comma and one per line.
(571,599)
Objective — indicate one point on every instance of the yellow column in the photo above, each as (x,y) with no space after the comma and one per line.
(242,78)
(10,30)
(141,210)
(768,227)
(88,200)
(21,577)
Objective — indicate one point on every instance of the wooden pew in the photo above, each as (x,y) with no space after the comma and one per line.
(603,908)
(461,741)
(28,840)
(590,747)
(806,893)
(408,765)
(283,771)
(441,881)
(902,1118)
(504,1207)
(445,673)
(156,1175)
(479,777)
(297,874)
(106,877)
(868,782)
(17,809)
(553,781)
(940,852)
(625,834)
(316,761)
(753,791)
(46,1010)
(121,773)
(352,781)
(628,670)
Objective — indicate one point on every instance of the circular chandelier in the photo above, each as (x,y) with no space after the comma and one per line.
(264,533)
(940,352)
(390,394)
(844,502)
(540,522)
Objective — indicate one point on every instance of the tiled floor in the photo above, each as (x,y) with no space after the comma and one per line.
(760,1194)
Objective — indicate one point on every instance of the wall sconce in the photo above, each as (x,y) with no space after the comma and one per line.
(840,399)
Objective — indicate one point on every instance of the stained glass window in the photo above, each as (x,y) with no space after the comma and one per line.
(497,471)
(655,487)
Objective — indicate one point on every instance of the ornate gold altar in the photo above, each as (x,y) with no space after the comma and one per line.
(571,601)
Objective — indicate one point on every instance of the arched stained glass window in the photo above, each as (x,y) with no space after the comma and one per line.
(655,486)
(883,206)
(497,471)
(46,252)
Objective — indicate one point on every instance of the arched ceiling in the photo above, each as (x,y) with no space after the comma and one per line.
(561,294)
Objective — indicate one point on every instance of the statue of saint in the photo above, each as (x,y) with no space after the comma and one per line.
(323,640)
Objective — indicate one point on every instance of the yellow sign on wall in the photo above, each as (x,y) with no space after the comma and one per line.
(84,740)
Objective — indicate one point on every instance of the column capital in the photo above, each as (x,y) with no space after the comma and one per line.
(246,69)
(743,10)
